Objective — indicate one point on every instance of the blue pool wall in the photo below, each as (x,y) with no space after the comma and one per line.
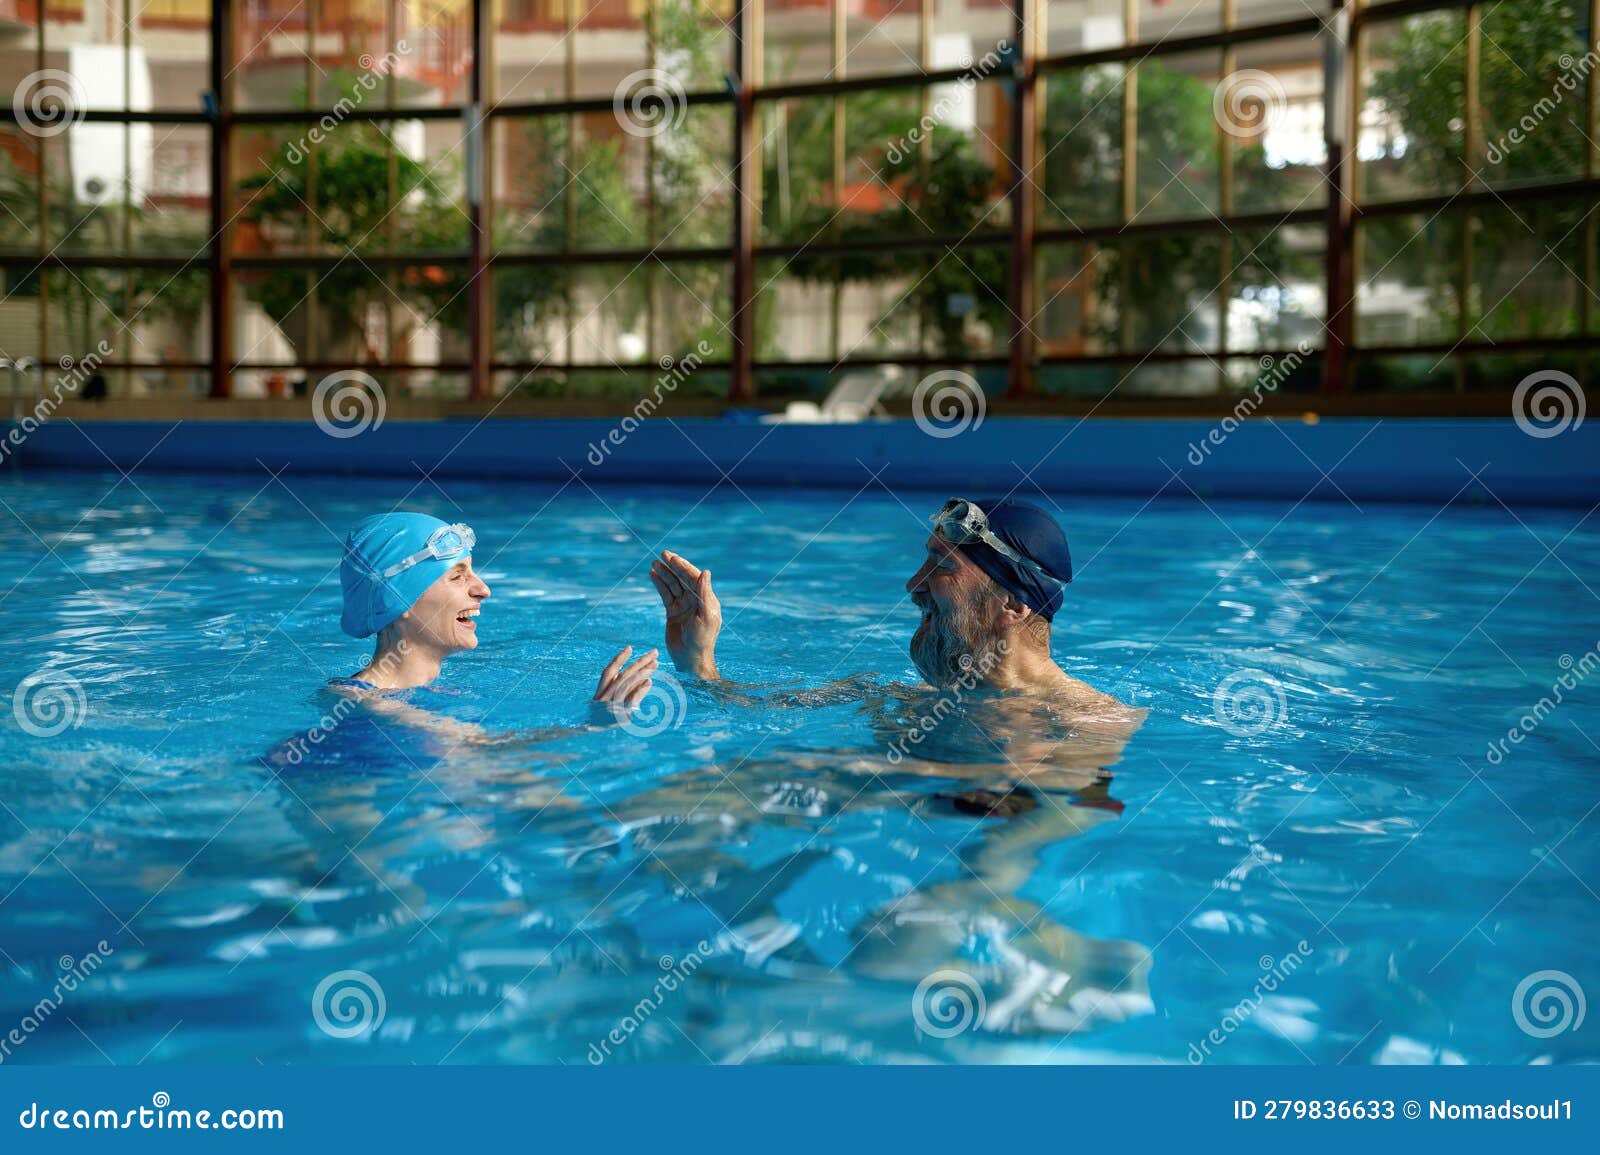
(1404,459)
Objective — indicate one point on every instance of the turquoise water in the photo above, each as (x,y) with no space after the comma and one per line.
(1324,863)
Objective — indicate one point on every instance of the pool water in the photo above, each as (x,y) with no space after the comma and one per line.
(1307,853)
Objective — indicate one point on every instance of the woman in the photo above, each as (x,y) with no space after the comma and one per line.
(408,578)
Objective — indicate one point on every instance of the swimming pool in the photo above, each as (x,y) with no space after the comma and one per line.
(1311,851)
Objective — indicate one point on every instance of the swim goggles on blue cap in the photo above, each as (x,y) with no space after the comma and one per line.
(445,543)
(961,522)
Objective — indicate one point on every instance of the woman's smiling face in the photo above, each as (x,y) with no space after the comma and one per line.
(444,618)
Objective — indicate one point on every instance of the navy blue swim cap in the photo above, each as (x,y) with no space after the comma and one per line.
(1035,535)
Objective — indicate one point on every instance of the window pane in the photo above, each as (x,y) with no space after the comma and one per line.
(1532,104)
(1248,12)
(173,213)
(1290,371)
(429,52)
(364,186)
(609,44)
(880,152)
(85,58)
(693,188)
(1177,135)
(795,317)
(798,40)
(609,188)
(1413,113)
(692,306)
(22,319)
(21,158)
(610,314)
(1159,293)
(86,174)
(150,315)
(271,190)
(797,191)
(1527,263)
(1065,319)
(1272,112)
(883,37)
(692,41)
(1408,279)
(883,313)
(530,50)
(1081,150)
(1277,291)
(1172,19)
(1084,25)
(173,40)
(532,184)
(1390,374)
(1133,295)
(961,302)
(271,56)
(530,312)
(1504,371)
(962,31)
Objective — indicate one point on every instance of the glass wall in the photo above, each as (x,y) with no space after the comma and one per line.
(106,190)
(1077,200)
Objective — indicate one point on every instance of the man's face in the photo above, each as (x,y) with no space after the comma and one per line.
(960,613)
(444,618)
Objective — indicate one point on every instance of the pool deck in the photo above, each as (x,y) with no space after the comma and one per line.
(1481,460)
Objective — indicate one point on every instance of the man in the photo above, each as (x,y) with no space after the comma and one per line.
(990,583)
(1000,715)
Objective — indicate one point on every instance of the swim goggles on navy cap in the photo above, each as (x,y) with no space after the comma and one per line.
(961,522)
(445,543)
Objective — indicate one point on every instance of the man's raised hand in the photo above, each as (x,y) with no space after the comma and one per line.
(694,615)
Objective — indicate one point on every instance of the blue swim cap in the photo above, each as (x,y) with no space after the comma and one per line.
(376,544)
(1035,535)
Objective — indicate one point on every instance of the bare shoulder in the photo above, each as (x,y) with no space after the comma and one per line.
(1092,705)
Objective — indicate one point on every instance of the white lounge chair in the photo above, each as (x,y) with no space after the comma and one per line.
(857,395)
